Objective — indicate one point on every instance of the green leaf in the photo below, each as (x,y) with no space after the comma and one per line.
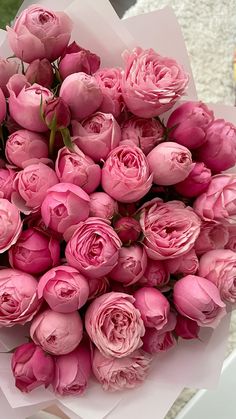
(65,133)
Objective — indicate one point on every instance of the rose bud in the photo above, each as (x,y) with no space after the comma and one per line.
(7,177)
(128,229)
(31,185)
(76,59)
(24,147)
(155,341)
(10,224)
(199,299)
(25,102)
(170,163)
(186,328)
(34,252)
(64,206)
(196,182)
(97,135)
(39,33)
(127,210)
(116,374)
(8,67)
(212,236)
(109,80)
(57,333)
(126,175)
(64,289)
(82,94)
(188,124)
(219,149)
(155,275)
(144,133)
(102,205)
(40,72)
(131,265)
(97,287)
(31,367)
(153,306)
(151,83)
(3,106)
(18,295)
(114,311)
(185,265)
(56,113)
(100,254)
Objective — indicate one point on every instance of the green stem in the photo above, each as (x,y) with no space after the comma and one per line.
(52,140)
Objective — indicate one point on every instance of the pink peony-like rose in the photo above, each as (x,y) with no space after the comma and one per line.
(39,33)
(212,236)
(24,147)
(199,299)
(40,72)
(184,265)
(76,59)
(170,163)
(31,367)
(8,67)
(151,83)
(114,325)
(186,328)
(3,106)
(7,177)
(34,252)
(155,341)
(10,224)
(126,174)
(188,124)
(170,229)
(116,374)
(97,287)
(131,265)
(102,205)
(196,182)
(97,135)
(57,333)
(109,80)
(153,306)
(93,248)
(64,289)
(128,229)
(18,297)
(155,275)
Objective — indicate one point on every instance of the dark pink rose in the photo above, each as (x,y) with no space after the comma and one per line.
(155,275)
(155,341)
(3,106)
(153,306)
(185,265)
(109,80)
(76,59)
(212,236)
(196,182)
(186,328)
(228,235)
(131,265)
(8,67)
(97,287)
(128,229)
(7,177)
(40,72)
(10,224)
(102,205)
(56,113)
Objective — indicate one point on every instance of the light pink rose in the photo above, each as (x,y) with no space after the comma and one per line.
(185,265)
(126,174)
(64,289)
(82,94)
(155,275)
(219,267)
(97,135)
(153,306)
(64,206)
(114,325)
(3,106)
(170,229)
(151,83)
(199,300)
(31,367)
(75,167)
(170,163)
(18,297)
(34,252)
(186,328)
(97,287)
(212,236)
(40,72)
(155,341)
(7,177)
(10,224)
(8,67)
(31,185)
(57,333)
(76,59)
(23,147)
(93,248)
(120,373)
(109,80)
(230,237)
(128,229)
(196,182)
(131,265)
(102,205)
(39,33)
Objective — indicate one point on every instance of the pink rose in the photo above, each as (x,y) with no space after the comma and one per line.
(219,267)
(25,102)
(97,287)
(57,333)
(31,185)
(8,67)
(196,182)
(114,325)
(82,94)
(39,33)
(170,229)
(170,163)
(3,106)
(97,135)
(40,72)
(155,275)
(131,265)
(31,367)
(228,238)
(18,296)
(109,80)
(56,114)
(23,147)
(151,83)
(64,206)
(34,252)
(188,124)
(199,300)
(93,248)
(102,205)
(116,374)
(126,175)
(72,372)
(128,229)
(76,59)
(184,265)
(186,328)
(10,224)
(153,306)
(219,150)
(144,133)
(7,177)
(64,289)
(155,341)
(75,167)
(212,236)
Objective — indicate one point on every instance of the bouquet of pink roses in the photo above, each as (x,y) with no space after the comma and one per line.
(117,222)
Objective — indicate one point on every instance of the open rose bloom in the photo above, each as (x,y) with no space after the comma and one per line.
(117,220)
